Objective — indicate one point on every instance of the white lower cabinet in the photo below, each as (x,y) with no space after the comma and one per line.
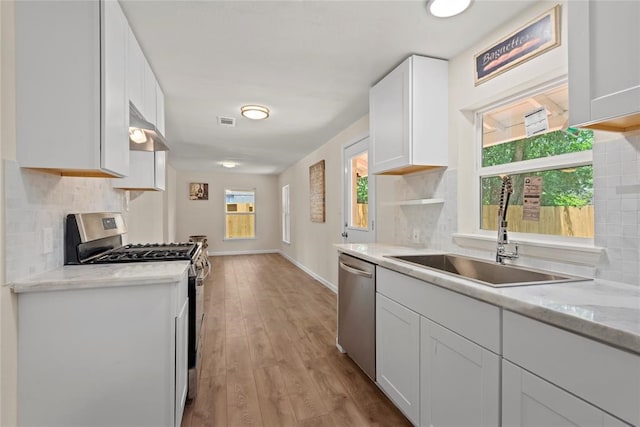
(108,356)
(459,380)
(528,400)
(398,355)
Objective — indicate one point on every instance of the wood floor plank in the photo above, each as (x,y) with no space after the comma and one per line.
(322,421)
(359,386)
(210,407)
(243,407)
(237,356)
(214,360)
(274,400)
(301,388)
(262,353)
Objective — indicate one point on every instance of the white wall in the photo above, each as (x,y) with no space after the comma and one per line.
(8,301)
(170,207)
(151,215)
(312,243)
(207,216)
(146,217)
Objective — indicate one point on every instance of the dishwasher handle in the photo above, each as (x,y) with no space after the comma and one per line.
(355,271)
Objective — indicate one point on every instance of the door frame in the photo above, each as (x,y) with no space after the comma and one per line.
(372,206)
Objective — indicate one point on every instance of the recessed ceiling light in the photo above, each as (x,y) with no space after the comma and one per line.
(447,8)
(254,112)
(229,164)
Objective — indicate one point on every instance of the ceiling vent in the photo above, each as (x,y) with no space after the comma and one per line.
(226,121)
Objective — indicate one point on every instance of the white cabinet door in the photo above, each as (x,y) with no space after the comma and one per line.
(459,380)
(161,170)
(182,334)
(149,93)
(408,117)
(73,86)
(115,102)
(398,355)
(160,109)
(528,400)
(148,171)
(604,63)
(389,105)
(135,75)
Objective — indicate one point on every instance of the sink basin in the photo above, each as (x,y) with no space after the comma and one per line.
(486,272)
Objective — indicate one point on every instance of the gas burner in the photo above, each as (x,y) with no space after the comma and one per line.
(149,252)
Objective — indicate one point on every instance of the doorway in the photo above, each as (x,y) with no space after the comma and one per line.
(359,194)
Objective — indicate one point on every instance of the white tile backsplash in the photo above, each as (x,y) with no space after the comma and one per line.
(36,200)
(616,205)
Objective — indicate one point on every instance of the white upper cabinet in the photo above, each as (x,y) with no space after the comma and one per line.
(160,109)
(604,64)
(148,172)
(148,168)
(408,117)
(72,114)
(143,86)
(135,72)
(150,94)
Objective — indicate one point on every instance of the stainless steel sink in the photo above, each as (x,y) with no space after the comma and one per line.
(486,272)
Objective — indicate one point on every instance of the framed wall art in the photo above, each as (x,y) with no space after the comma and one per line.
(316,191)
(199,191)
(527,42)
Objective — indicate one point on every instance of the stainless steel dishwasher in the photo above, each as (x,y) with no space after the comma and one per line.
(357,312)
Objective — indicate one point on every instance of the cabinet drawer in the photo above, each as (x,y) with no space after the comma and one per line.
(605,376)
(471,318)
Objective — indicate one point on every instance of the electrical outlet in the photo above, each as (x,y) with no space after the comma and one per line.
(47,240)
(416,235)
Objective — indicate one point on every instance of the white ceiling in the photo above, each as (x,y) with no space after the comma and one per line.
(310,62)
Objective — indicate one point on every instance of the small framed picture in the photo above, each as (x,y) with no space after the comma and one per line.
(199,191)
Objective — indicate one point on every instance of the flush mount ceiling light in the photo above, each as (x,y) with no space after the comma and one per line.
(228,164)
(447,8)
(254,112)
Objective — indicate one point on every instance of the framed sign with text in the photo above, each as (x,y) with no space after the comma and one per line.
(535,38)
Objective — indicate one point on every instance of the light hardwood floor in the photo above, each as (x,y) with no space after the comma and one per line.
(270,357)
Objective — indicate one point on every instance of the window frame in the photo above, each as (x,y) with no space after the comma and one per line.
(567,160)
(286,214)
(254,213)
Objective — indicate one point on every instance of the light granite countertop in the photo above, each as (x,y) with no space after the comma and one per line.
(103,275)
(606,311)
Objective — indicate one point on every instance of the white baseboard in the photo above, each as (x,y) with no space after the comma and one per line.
(249,252)
(306,269)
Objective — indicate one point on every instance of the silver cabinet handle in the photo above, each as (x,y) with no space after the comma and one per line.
(355,271)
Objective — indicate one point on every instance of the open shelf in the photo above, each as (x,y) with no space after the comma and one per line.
(414,202)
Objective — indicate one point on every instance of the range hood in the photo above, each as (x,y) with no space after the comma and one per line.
(143,135)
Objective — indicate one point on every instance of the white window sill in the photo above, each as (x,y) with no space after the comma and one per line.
(564,252)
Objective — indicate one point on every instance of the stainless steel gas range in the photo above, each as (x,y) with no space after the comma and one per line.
(98,238)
